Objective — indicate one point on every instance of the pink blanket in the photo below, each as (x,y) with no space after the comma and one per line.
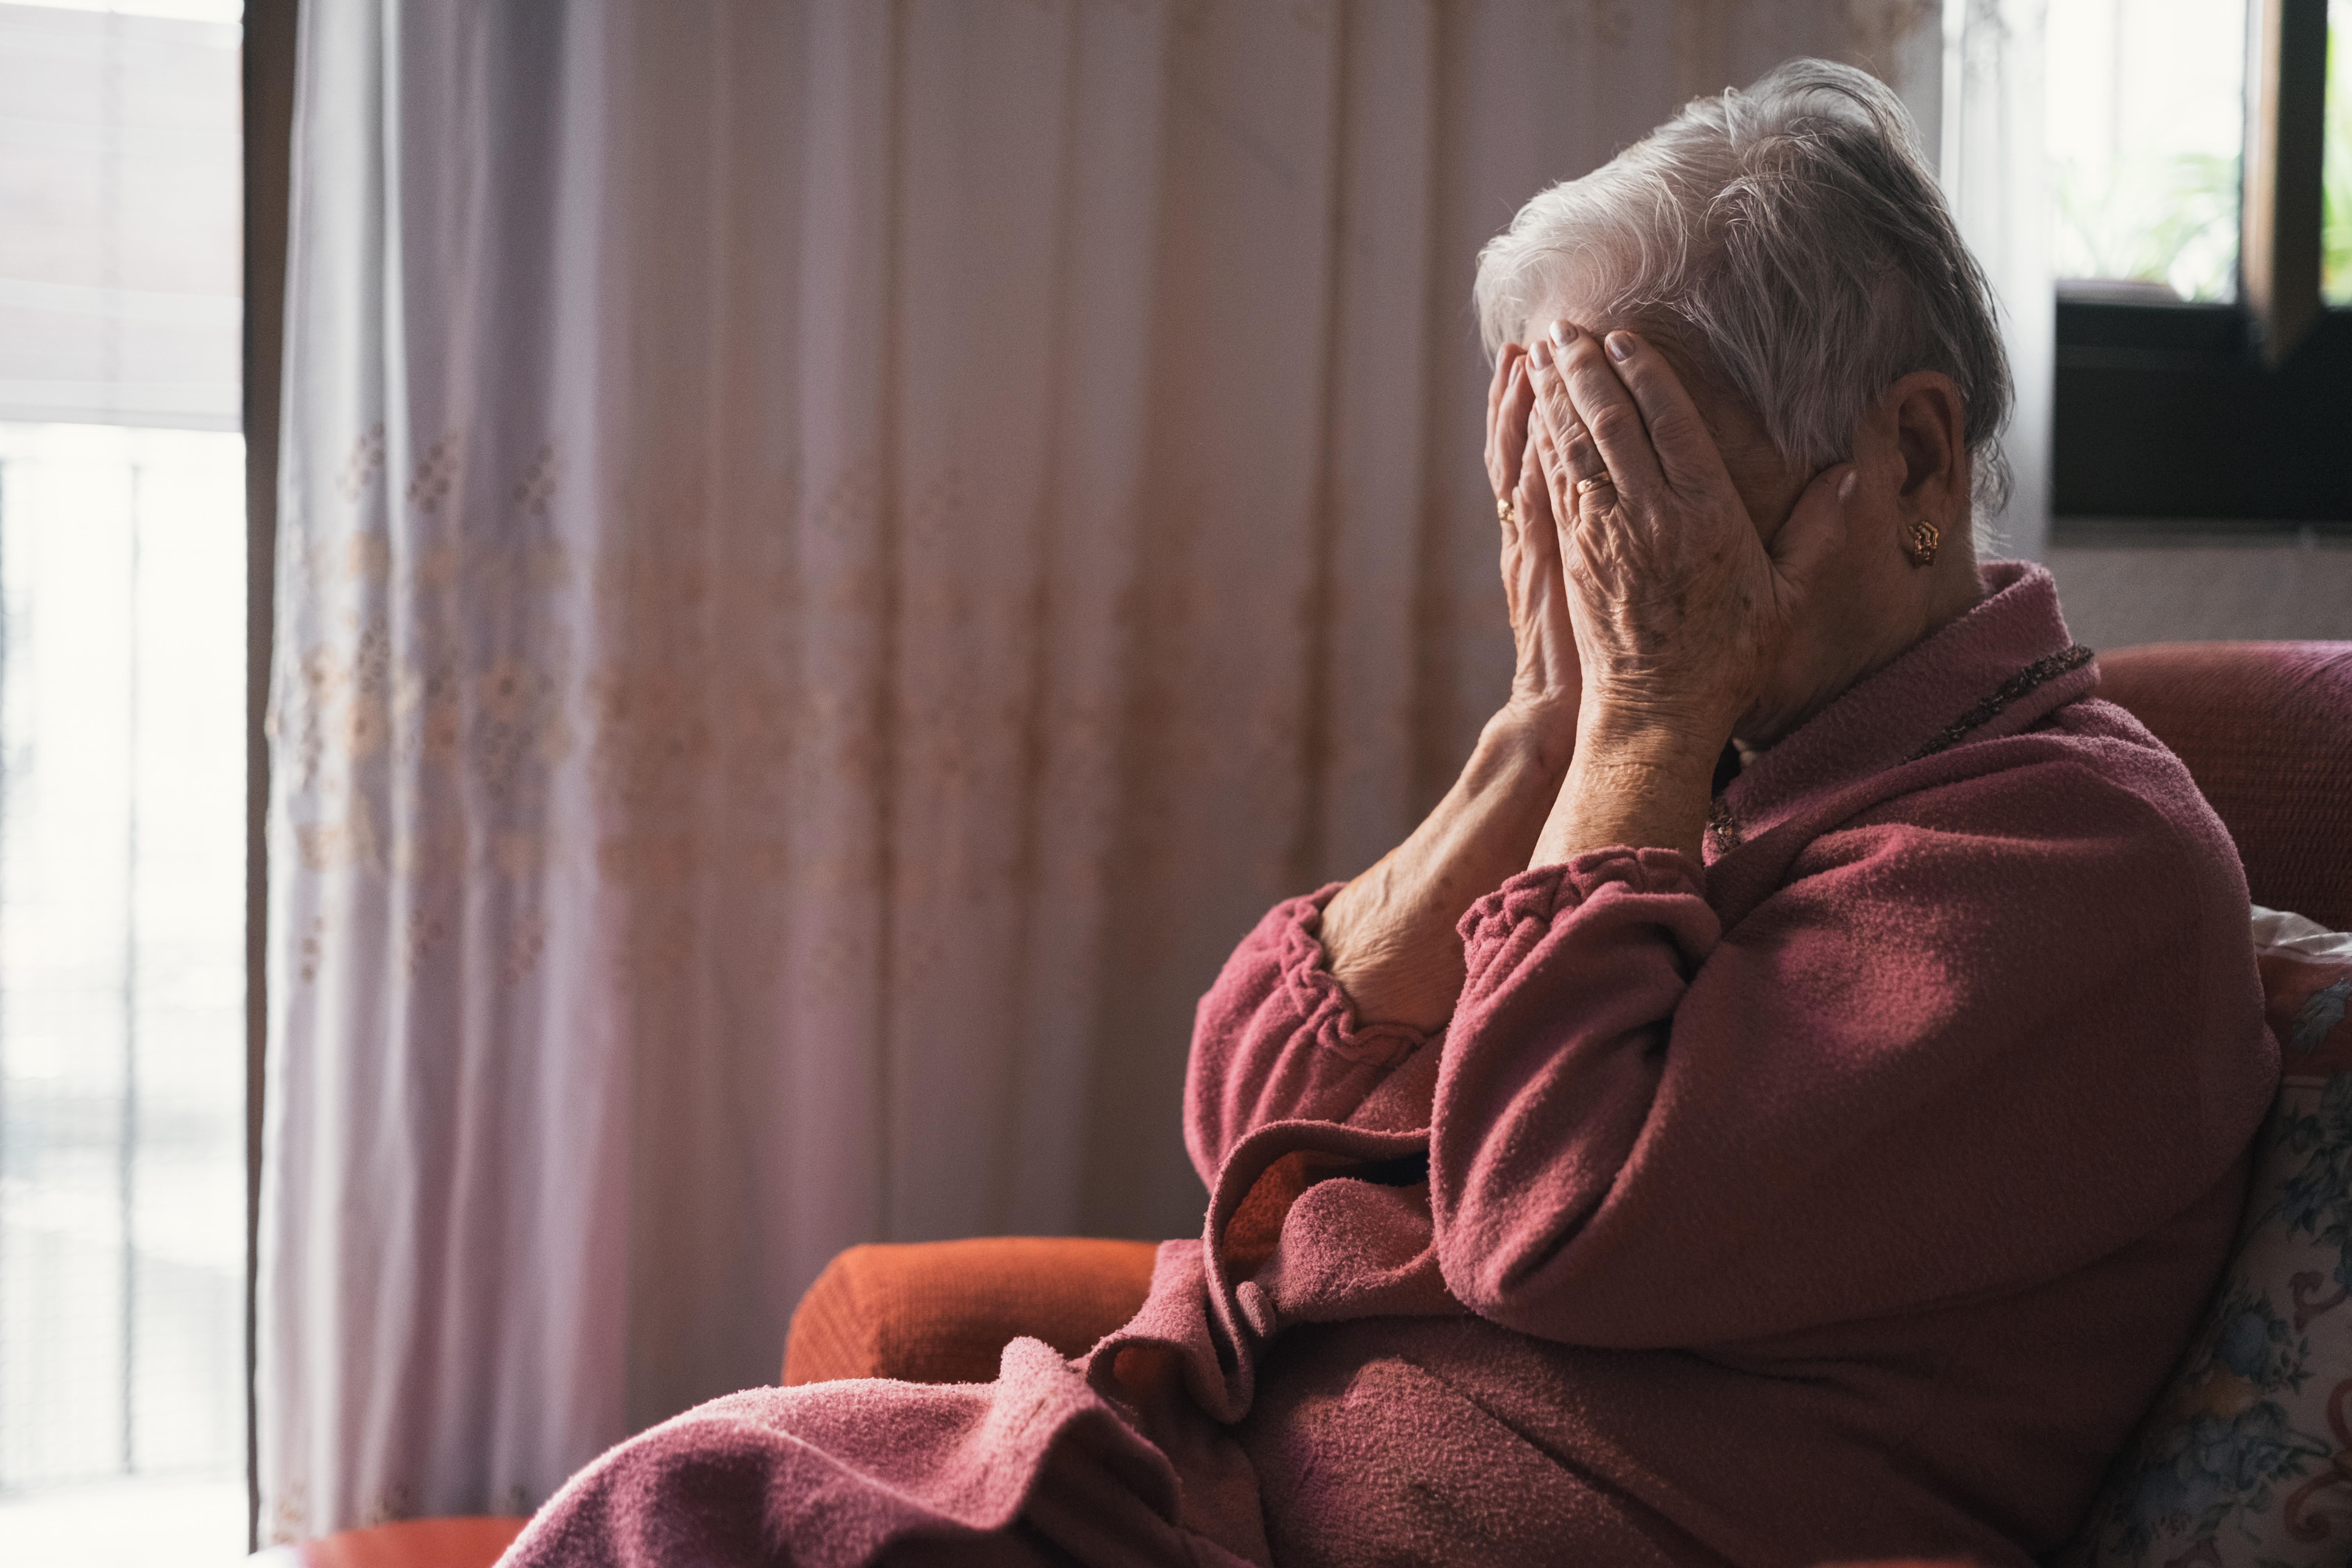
(1847,1197)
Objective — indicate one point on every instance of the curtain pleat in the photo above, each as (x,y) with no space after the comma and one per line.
(835,556)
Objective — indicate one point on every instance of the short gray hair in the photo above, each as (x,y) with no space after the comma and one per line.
(1793,237)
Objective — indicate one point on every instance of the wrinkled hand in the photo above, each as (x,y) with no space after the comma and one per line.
(1391,936)
(1546,682)
(1679,609)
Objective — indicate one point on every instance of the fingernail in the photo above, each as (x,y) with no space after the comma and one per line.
(1846,484)
(1540,354)
(1560,334)
(1621,345)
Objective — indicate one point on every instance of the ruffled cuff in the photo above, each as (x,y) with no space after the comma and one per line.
(1324,1011)
(1500,929)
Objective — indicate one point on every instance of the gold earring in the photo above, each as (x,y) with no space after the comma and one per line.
(1924,537)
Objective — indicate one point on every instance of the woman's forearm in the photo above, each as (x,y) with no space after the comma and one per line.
(1388,936)
(1648,789)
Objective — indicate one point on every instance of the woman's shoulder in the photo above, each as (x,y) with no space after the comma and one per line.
(2081,813)
(2089,774)
(2079,850)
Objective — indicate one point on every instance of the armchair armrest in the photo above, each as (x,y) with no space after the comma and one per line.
(2266,731)
(943,1312)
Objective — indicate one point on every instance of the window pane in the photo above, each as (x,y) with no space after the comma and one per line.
(2146,124)
(121,956)
(2335,169)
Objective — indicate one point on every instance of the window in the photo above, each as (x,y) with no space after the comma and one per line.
(2202,221)
(122,787)
(2336,161)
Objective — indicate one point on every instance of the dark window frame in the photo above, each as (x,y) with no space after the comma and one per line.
(2221,418)
(271,32)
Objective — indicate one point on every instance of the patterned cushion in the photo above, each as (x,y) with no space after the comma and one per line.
(2247,1456)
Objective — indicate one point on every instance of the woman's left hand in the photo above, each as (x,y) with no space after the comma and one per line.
(1681,610)
(1679,606)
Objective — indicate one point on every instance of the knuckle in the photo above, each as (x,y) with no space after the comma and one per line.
(1613,425)
(1674,426)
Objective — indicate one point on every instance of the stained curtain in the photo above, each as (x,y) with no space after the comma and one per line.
(833,558)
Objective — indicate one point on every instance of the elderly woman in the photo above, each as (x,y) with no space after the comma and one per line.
(1789,1101)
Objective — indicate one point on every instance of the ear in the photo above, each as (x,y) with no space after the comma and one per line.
(1931,435)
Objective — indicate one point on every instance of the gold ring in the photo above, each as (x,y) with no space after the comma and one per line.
(1586,487)
(1507,510)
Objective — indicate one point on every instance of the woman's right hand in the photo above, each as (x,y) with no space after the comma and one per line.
(1389,935)
(1546,682)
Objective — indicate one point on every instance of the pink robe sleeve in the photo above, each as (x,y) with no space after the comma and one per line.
(1276,1040)
(1965,1051)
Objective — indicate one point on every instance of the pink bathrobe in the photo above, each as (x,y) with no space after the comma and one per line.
(1848,1196)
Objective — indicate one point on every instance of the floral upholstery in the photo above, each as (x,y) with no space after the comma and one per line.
(2247,1456)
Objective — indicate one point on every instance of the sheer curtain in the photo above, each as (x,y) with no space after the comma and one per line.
(1994,176)
(833,557)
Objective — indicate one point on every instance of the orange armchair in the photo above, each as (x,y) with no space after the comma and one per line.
(2265,729)
(941,1312)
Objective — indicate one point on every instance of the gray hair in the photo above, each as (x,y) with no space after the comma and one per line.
(1793,237)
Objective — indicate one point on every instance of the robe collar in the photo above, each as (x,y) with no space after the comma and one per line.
(1994,672)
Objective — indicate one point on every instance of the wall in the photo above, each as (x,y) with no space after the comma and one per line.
(2191,588)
